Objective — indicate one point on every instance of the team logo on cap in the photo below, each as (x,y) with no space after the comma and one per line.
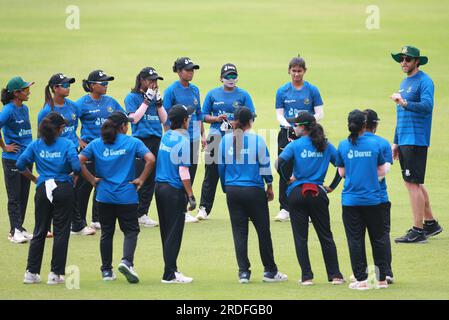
(100,73)
(187,61)
(306,101)
(61,76)
(404,50)
(151,72)
(110,110)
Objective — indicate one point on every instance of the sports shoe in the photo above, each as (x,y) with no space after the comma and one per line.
(352,278)
(359,285)
(282,216)
(382,285)
(274,277)
(49,235)
(53,279)
(108,275)
(244,276)
(27,235)
(30,278)
(95,225)
(432,229)
(412,236)
(337,281)
(202,214)
(179,278)
(147,222)
(306,283)
(86,231)
(18,237)
(190,218)
(389,280)
(129,272)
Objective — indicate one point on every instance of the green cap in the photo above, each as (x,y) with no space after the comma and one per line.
(17,83)
(410,52)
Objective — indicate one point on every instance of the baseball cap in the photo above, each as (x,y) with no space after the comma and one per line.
(228,68)
(17,83)
(371,117)
(244,114)
(99,75)
(119,118)
(56,119)
(303,118)
(60,78)
(410,51)
(179,112)
(184,63)
(150,73)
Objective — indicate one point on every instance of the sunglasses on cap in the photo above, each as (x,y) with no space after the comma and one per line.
(407,59)
(64,85)
(101,83)
(231,76)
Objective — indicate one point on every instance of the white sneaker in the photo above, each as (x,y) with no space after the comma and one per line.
(190,218)
(53,279)
(30,278)
(95,225)
(282,216)
(18,237)
(86,231)
(352,278)
(179,278)
(390,280)
(27,235)
(147,222)
(277,277)
(202,214)
(359,285)
(129,272)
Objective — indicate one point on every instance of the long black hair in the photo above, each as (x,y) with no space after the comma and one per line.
(50,126)
(315,130)
(7,96)
(109,131)
(86,86)
(356,124)
(49,97)
(242,117)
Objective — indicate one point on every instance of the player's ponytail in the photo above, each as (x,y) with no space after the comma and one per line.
(109,131)
(49,98)
(136,88)
(237,140)
(7,96)
(86,86)
(356,125)
(316,134)
(175,68)
(48,131)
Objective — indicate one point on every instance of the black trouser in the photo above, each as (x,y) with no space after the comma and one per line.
(171,206)
(247,203)
(126,214)
(358,219)
(317,208)
(147,190)
(82,194)
(60,212)
(288,169)
(18,190)
(211,175)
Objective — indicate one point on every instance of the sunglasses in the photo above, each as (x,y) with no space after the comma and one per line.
(407,59)
(64,85)
(231,76)
(101,83)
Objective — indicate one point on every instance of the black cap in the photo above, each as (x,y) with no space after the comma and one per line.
(59,78)
(228,68)
(244,114)
(184,63)
(371,117)
(179,112)
(56,119)
(99,75)
(119,118)
(150,73)
(357,117)
(303,118)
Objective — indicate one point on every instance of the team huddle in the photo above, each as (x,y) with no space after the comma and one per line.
(160,158)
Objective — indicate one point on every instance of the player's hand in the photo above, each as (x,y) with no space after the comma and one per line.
(138,183)
(75,179)
(150,94)
(292,179)
(192,203)
(203,143)
(221,117)
(11,148)
(270,193)
(95,182)
(158,98)
(396,97)
(82,144)
(395,151)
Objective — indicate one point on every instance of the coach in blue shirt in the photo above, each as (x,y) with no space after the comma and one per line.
(244,168)
(311,155)
(218,110)
(414,106)
(293,97)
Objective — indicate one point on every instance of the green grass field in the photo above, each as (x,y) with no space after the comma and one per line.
(351,66)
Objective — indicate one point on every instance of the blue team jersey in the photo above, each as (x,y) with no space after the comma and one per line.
(413,123)
(16,125)
(114,164)
(174,152)
(93,113)
(190,97)
(250,168)
(388,156)
(218,102)
(293,100)
(68,111)
(360,161)
(149,124)
(56,161)
(309,165)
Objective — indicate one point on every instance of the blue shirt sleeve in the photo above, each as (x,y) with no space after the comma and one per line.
(130,104)
(380,158)
(425,105)
(222,164)
(168,102)
(4,116)
(279,99)
(339,161)
(198,112)
(386,151)
(26,158)
(72,156)
(184,153)
(316,97)
(264,160)
(288,152)
(249,102)
(88,151)
(207,104)
(333,154)
(141,149)
(41,115)
(117,106)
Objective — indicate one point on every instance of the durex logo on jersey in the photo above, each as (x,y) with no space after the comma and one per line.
(49,155)
(311,154)
(110,152)
(359,154)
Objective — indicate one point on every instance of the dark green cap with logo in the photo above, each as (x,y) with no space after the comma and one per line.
(17,83)
(410,51)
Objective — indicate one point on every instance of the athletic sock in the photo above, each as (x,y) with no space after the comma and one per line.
(429,222)
(418,229)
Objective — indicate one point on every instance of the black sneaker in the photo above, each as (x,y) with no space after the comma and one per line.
(412,236)
(432,229)
(244,276)
(108,275)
